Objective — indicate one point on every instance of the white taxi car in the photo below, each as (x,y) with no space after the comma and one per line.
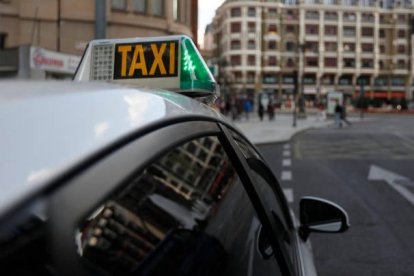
(107,175)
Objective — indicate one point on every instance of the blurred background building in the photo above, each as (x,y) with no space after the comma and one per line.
(45,38)
(332,45)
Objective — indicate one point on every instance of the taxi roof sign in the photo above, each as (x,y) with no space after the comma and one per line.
(168,62)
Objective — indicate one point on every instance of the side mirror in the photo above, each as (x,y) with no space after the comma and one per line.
(320,215)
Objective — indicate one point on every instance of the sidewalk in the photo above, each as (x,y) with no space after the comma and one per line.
(279,130)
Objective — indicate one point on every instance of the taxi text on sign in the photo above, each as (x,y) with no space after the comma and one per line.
(146,60)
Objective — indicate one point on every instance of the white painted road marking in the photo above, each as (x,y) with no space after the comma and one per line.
(286,175)
(288,194)
(286,153)
(286,162)
(396,181)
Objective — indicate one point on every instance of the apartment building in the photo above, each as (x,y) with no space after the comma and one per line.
(63,26)
(331,45)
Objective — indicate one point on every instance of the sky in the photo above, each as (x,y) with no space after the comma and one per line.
(206,12)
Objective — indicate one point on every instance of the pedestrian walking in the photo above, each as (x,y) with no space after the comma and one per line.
(271,111)
(247,107)
(338,114)
(261,111)
(343,116)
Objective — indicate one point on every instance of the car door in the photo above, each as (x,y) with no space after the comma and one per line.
(294,251)
(175,200)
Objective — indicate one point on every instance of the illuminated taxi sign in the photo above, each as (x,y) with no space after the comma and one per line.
(146,60)
(171,62)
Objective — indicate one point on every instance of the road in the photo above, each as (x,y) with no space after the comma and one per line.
(367,168)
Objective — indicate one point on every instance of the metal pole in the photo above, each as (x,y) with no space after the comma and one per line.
(295,88)
(361,102)
(100,19)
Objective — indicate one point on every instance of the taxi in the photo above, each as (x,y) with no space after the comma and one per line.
(127,171)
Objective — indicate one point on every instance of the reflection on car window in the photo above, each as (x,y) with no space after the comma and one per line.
(185,214)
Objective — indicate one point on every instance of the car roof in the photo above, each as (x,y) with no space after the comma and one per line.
(46,127)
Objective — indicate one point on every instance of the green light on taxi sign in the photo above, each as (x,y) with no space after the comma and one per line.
(169,62)
(195,75)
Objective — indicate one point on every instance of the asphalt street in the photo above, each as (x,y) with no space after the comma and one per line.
(368,169)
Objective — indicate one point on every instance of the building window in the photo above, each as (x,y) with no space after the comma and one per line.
(271,28)
(401,49)
(312,15)
(290,29)
(251,12)
(251,27)
(235,27)
(331,46)
(271,45)
(349,47)
(312,62)
(345,80)
(290,63)
(235,45)
(290,46)
(272,61)
(250,77)
(287,79)
(330,62)
(401,34)
(309,79)
(141,5)
(235,60)
(157,7)
(312,29)
(251,60)
(382,33)
(349,31)
(349,63)
(401,64)
(331,16)
(235,12)
(269,78)
(238,77)
(251,44)
(328,80)
(311,47)
(397,81)
(367,32)
(382,49)
(119,4)
(349,17)
(271,13)
(367,17)
(402,18)
(367,63)
(381,81)
(367,47)
(330,30)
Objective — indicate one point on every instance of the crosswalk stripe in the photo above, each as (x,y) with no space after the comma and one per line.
(286,175)
(288,194)
(286,162)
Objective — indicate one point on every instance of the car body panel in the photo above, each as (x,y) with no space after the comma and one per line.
(48,127)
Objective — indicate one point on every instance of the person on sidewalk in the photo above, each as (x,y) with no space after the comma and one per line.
(260,111)
(343,116)
(247,106)
(338,114)
(271,111)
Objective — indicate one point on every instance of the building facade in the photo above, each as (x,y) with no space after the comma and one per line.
(67,26)
(331,45)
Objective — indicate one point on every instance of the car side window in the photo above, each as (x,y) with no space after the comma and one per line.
(272,199)
(186,213)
